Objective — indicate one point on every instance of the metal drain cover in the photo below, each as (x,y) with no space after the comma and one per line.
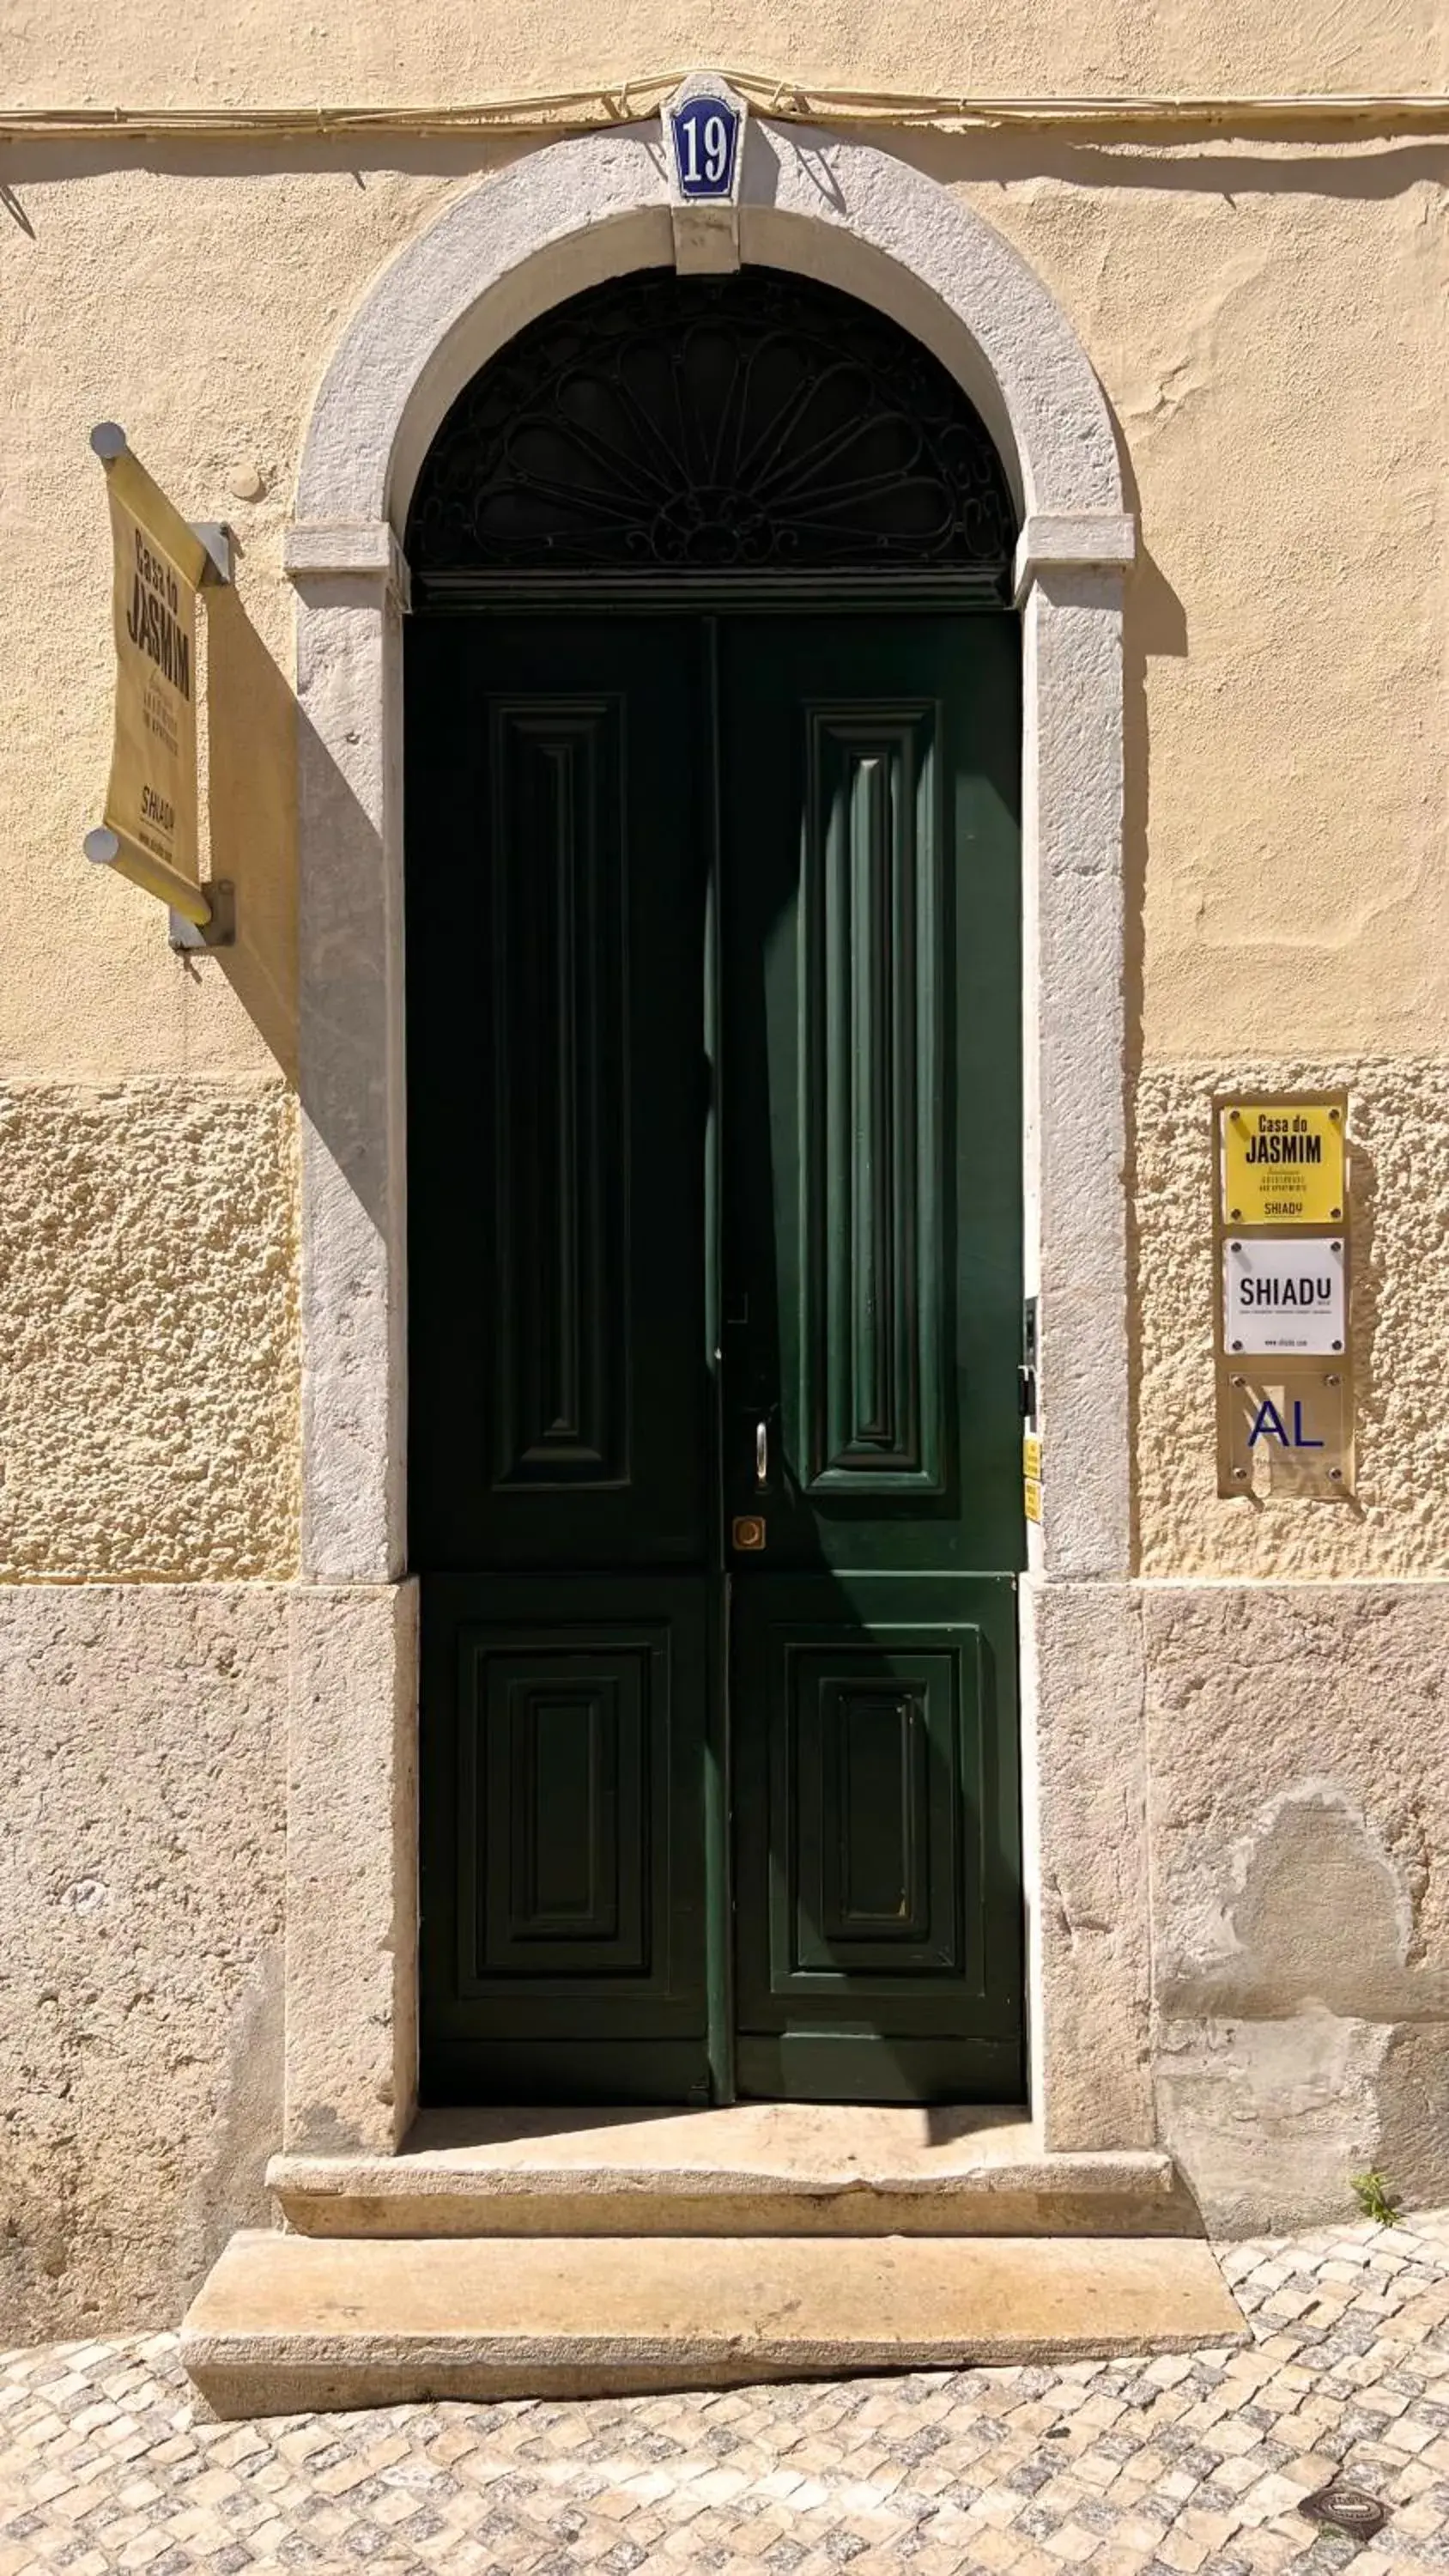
(1346,2508)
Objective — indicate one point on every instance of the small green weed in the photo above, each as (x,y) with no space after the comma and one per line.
(1376,2197)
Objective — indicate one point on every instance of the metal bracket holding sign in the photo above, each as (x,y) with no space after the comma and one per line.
(219,931)
(160,565)
(1282,1338)
(704,142)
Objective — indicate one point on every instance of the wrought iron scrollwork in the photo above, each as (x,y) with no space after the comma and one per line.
(717,425)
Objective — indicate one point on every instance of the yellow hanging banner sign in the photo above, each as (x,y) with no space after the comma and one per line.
(1283,1163)
(151,801)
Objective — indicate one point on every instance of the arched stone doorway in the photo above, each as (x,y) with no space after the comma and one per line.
(714,1070)
(562,220)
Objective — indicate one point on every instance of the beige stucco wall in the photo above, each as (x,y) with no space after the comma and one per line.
(148,1404)
(257,51)
(1269,324)
(1396,1523)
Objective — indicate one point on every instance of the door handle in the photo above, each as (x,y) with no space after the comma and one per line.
(762,1453)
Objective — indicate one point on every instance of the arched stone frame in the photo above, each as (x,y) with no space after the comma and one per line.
(565,217)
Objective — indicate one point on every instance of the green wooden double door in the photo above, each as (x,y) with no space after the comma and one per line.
(714,1156)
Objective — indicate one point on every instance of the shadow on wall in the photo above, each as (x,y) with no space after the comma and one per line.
(1314,165)
(1154,626)
(1315,2044)
(232,2191)
(251,717)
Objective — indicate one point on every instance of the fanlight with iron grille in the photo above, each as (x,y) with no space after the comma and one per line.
(712,425)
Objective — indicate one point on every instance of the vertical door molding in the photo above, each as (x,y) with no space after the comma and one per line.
(1083,1750)
(351,2045)
(1070,574)
(350,2079)
(351,587)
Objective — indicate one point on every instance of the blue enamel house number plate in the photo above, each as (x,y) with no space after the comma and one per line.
(706,134)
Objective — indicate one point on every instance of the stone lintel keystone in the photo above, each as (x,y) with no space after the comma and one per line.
(706,229)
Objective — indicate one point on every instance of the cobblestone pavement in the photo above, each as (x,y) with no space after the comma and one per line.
(1129,2469)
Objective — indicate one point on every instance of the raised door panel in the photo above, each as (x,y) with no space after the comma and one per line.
(869,1399)
(563,1910)
(557,1006)
(871,1757)
(872,1130)
(555,1795)
(879,1945)
(557,1106)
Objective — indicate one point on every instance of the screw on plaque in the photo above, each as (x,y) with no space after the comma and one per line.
(1345,2508)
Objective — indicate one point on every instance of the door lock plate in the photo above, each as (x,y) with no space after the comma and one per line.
(748,1532)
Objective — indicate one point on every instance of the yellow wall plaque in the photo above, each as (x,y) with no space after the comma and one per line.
(1283,1163)
(158,566)
(1031,1498)
(1031,1457)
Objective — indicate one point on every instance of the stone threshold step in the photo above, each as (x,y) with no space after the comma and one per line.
(292,2323)
(760,2169)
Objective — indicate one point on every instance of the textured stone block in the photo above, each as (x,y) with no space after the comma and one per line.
(142,1743)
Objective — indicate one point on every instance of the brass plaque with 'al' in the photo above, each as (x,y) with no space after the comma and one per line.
(1285,1432)
(1283,1163)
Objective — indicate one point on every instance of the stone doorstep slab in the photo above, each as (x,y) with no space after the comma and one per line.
(769,2169)
(286,2324)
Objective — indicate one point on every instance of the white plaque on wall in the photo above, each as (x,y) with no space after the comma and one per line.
(1283,1297)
